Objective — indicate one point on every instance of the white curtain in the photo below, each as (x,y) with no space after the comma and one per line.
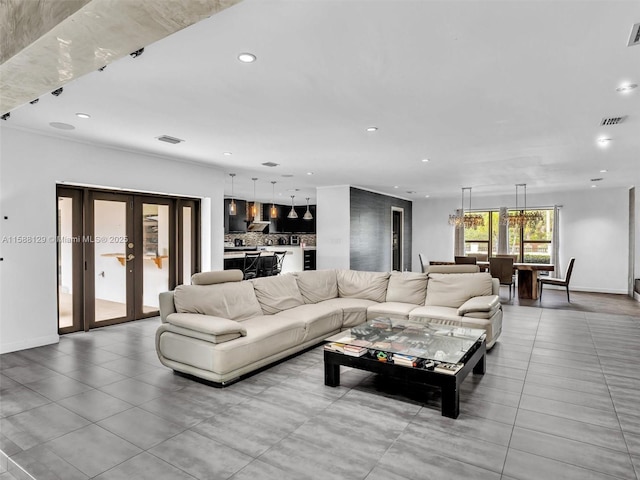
(555,242)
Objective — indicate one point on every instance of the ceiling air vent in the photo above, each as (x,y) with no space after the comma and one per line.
(270,164)
(168,139)
(612,120)
(634,39)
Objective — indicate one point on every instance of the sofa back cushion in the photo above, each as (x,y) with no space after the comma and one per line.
(453,289)
(364,285)
(277,293)
(317,285)
(235,300)
(407,287)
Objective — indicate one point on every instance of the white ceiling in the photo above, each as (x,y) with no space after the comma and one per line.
(494,93)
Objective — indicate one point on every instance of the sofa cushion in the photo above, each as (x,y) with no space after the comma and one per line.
(207,324)
(363,285)
(320,319)
(277,293)
(218,276)
(407,287)
(453,289)
(235,300)
(317,285)
(354,310)
(432,313)
(397,310)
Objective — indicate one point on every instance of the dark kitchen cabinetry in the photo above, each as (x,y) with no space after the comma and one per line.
(309,259)
(235,223)
(283,224)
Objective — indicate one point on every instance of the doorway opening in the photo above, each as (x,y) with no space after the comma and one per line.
(117,251)
(397,240)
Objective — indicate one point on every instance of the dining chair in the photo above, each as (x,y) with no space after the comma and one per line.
(480,257)
(502,269)
(424,264)
(558,282)
(465,260)
(278,262)
(251,265)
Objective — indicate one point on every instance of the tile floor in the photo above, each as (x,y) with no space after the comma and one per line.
(559,401)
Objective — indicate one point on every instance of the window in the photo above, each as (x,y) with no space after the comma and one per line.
(531,243)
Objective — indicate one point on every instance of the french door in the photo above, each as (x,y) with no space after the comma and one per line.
(118,251)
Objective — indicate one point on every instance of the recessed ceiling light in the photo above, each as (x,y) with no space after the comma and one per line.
(603,170)
(309,173)
(626,87)
(395,186)
(372,129)
(247,57)
(593,185)
(426,196)
(425,160)
(604,141)
(62,126)
(83,115)
(227,154)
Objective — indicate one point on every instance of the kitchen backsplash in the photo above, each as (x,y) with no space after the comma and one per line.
(257,238)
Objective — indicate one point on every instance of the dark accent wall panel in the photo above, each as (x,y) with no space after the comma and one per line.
(371,227)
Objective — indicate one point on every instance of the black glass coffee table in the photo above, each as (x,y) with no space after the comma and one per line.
(422,353)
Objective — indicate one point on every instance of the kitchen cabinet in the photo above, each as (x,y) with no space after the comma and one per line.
(235,223)
(309,259)
(283,224)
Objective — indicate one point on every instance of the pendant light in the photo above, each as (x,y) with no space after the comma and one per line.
(232,205)
(469,220)
(274,210)
(523,218)
(254,207)
(307,215)
(292,213)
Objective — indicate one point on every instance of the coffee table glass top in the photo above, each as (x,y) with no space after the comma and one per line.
(428,341)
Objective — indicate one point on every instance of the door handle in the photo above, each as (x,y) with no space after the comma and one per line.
(130,257)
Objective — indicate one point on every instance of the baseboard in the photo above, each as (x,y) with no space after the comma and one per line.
(30,343)
(614,291)
(15,470)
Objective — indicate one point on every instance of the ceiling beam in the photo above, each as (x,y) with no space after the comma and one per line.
(54,42)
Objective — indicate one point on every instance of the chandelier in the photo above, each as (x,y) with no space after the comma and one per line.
(523,218)
(469,220)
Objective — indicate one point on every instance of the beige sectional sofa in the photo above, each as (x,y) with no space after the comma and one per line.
(221,327)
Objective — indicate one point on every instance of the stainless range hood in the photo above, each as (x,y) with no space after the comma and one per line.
(258,225)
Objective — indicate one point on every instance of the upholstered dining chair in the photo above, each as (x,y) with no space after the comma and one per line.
(502,269)
(251,265)
(465,260)
(559,282)
(424,264)
(480,257)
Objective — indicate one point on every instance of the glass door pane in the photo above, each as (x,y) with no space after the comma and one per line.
(112,261)
(65,262)
(155,253)
(187,244)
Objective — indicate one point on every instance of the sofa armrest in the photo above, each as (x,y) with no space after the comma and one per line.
(479,304)
(207,324)
(167,307)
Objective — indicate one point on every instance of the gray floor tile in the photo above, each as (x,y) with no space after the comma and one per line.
(567,383)
(95,376)
(200,456)
(259,470)
(572,429)
(607,461)
(166,380)
(140,427)
(567,410)
(133,391)
(128,367)
(18,399)
(379,473)
(29,373)
(59,387)
(144,467)
(525,466)
(600,401)
(413,461)
(94,405)
(42,463)
(41,424)
(92,449)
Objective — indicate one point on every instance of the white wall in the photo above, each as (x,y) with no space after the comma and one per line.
(30,167)
(333,226)
(593,228)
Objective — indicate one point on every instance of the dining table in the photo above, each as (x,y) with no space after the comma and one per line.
(527,275)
